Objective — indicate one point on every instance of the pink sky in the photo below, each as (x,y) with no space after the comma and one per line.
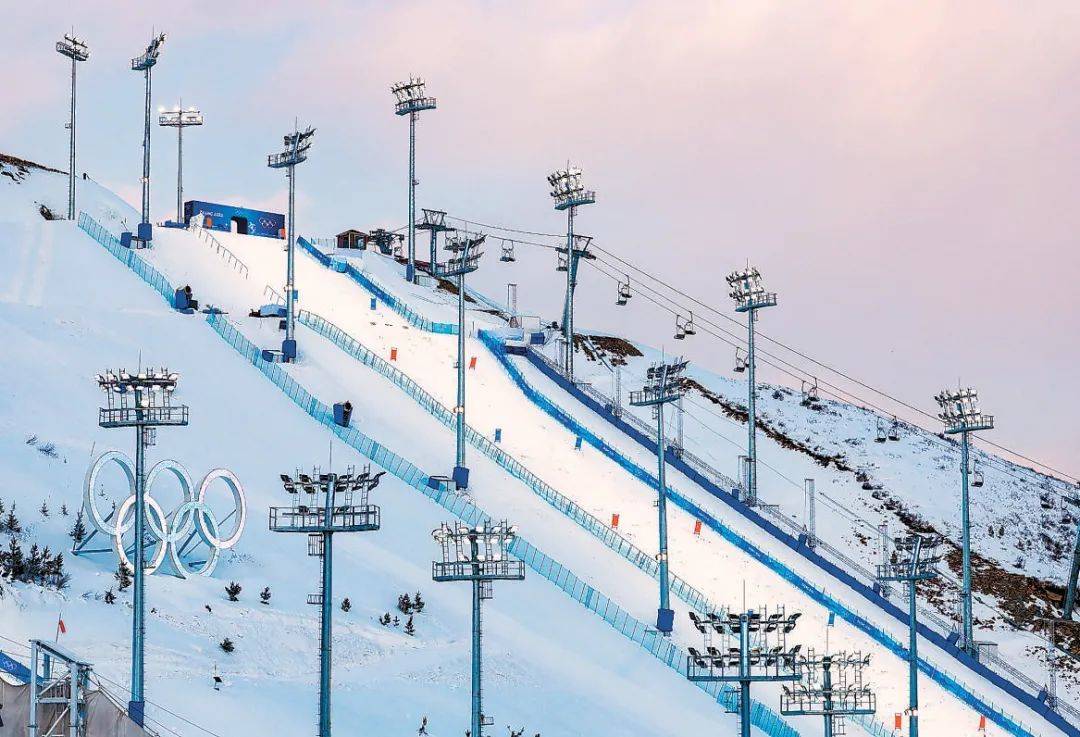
(902,173)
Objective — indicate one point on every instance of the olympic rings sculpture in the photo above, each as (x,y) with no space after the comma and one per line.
(174,533)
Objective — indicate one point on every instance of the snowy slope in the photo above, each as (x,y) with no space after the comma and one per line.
(69,310)
(528,434)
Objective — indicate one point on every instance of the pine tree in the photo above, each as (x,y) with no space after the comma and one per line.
(264,595)
(63,510)
(123,576)
(410,629)
(227,645)
(404,604)
(44,509)
(396,621)
(418,603)
(346,605)
(423,728)
(12,523)
(14,562)
(384,620)
(233,590)
(110,597)
(78,530)
(1001,531)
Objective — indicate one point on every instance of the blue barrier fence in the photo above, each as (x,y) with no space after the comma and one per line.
(647,637)
(954,685)
(367,282)
(127,256)
(515,468)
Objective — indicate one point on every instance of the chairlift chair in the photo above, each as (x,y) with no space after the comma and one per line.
(507,252)
(680,331)
(562,263)
(688,326)
(894,430)
(880,438)
(624,294)
(976,476)
(740,360)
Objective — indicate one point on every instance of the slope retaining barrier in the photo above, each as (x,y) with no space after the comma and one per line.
(495,344)
(515,468)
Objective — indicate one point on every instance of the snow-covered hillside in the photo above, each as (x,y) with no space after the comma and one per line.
(72,311)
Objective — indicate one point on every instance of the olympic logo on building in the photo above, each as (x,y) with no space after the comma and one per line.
(175,533)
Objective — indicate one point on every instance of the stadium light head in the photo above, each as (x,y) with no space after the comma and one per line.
(150,56)
(567,189)
(410,96)
(747,290)
(960,411)
(179,117)
(297,145)
(73,48)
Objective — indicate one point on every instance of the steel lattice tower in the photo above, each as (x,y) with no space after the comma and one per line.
(832,687)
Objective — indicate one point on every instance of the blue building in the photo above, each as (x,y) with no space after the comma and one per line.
(230,218)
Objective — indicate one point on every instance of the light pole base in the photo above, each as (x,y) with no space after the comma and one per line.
(665,620)
(146,232)
(136,710)
(461,477)
(410,272)
(288,350)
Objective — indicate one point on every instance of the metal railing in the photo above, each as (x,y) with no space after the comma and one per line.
(127,256)
(313,519)
(131,416)
(225,253)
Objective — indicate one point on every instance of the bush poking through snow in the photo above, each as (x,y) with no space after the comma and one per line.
(227,645)
(346,605)
(233,590)
(264,595)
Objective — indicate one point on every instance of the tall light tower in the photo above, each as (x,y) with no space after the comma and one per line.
(750,296)
(77,51)
(664,384)
(297,145)
(465,260)
(410,100)
(753,649)
(142,401)
(961,414)
(331,503)
(180,118)
(145,64)
(480,555)
(569,193)
(833,688)
(915,559)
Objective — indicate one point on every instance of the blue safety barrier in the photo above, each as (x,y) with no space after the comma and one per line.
(127,256)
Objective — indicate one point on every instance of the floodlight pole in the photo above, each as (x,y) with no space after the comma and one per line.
(180,119)
(77,51)
(962,416)
(750,297)
(320,524)
(569,193)
(410,100)
(142,416)
(145,64)
(477,699)
(459,456)
(571,284)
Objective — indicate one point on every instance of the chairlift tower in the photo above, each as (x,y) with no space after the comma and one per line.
(961,414)
(465,260)
(752,649)
(59,684)
(750,296)
(76,50)
(433,221)
(915,559)
(569,194)
(410,99)
(297,145)
(145,64)
(481,556)
(332,503)
(833,688)
(180,118)
(142,401)
(663,384)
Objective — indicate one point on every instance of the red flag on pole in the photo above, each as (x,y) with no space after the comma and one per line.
(63,628)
